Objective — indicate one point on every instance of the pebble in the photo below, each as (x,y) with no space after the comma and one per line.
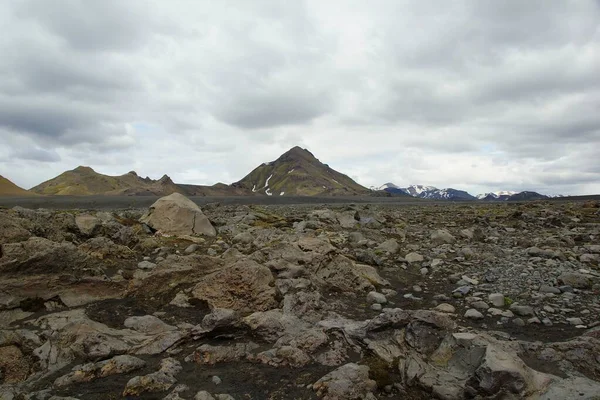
(376,307)
(518,322)
(473,314)
(497,299)
(523,311)
(549,289)
(424,271)
(480,305)
(445,308)
(191,248)
(146,265)
(374,297)
(461,291)
(216,380)
(575,321)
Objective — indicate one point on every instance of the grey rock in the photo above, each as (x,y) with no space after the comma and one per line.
(350,381)
(576,280)
(549,289)
(442,236)
(203,395)
(497,299)
(413,257)
(146,265)
(191,248)
(390,246)
(473,314)
(374,297)
(523,311)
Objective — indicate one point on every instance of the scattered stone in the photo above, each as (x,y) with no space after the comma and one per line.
(442,236)
(445,308)
(473,314)
(146,265)
(374,297)
(412,258)
(576,280)
(497,299)
(523,311)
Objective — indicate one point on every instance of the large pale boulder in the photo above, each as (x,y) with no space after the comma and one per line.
(175,214)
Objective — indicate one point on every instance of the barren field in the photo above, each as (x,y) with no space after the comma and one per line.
(300,298)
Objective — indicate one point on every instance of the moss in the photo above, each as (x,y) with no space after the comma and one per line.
(380,371)
(508,301)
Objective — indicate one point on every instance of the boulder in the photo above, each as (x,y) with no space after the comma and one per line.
(177,215)
(343,274)
(40,255)
(87,224)
(348,382)
(442,236)
(576,280)
(244,286)
(390,246)
(158,381)
(413,258)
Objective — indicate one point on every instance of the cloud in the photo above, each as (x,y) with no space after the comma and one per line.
(478,95)
(37,154)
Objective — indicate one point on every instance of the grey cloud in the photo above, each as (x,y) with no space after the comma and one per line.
(510,86)
(37,154)
(90,26)
(271,109)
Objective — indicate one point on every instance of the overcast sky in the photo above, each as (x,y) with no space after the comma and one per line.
(476,95)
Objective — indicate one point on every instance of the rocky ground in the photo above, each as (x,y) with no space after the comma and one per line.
(366,301)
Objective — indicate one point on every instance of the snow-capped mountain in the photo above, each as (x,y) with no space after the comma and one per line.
(419,190)
(500,195)
(511,196)
(385,186)
(433,193)
(428,192)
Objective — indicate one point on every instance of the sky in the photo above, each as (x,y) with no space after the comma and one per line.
(478,95)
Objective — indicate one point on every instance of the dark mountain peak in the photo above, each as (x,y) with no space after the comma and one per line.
(297,172)
(83,169)
(297,153)
(132,173)
(165,179)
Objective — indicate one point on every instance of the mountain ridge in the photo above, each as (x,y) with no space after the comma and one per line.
(8,188)
(433,193)
(298,172)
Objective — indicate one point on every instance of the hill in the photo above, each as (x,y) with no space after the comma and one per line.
(7,188)
(298,172)
(83,181)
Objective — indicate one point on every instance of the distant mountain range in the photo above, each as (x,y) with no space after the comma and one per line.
(84,181)
(297,172)
(433,193)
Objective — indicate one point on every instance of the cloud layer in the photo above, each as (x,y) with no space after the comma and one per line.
(478,95)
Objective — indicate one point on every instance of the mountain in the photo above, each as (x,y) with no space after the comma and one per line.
(430,192)
(500,195)
(511,196)
(7,188)
(84,181)
(297,172)
(524,196)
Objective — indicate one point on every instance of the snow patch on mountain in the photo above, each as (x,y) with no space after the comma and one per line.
(496,194)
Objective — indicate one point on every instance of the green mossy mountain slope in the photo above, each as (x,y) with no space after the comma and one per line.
(298,172)
(7,188)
